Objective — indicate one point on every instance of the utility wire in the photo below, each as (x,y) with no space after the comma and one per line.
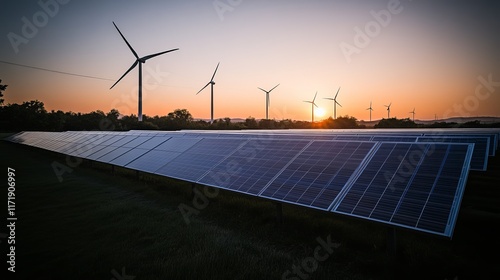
(54,71)
(62,72)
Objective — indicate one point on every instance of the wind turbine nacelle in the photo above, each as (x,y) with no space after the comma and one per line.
(212,82)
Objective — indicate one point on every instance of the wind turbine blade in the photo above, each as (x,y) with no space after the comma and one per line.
(308,101)
(130,69)
(338,103)
(329,98)
(203,88)
(337,93)
(315,104)
(213,76)
(314,97)
(262,89)
(156,54)
(135,54)
(274,87)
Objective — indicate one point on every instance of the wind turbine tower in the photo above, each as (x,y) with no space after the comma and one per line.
(140,61)
(267,99)
(413,112)
(371,109)
(388,110)
(334,103)
(312,106)
(211,83)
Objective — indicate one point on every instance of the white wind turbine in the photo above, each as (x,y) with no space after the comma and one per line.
(388,110)
(334,103)
(267,99)
(371,109)
(211,83)
(140,61)
(413,112)
(312,106)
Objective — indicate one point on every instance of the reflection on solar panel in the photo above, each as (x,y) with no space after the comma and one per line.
(387,178)
(481,148)
(250,168)
(200,158)
(418,186)
(318,174)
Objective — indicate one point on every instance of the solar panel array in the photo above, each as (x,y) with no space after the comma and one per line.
(408,180)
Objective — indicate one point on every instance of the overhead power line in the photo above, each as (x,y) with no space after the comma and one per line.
(55,71)
(65,73)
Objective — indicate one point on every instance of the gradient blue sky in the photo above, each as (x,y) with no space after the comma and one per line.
(428,57)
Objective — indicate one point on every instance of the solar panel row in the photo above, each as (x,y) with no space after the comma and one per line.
(413,185)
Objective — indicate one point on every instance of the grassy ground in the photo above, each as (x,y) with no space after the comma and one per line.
(93,224)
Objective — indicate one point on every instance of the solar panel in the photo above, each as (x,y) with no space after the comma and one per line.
(318,174)
(177,144)
(394,138)
(128,156)
(481,148)
(251,167)
(200,158)
(418,186)
(152,160)
(109,157)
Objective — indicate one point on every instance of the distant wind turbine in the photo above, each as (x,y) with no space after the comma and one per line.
(371,109)
(139,61)
(211,83)
(334,103)
(413,112)
(312,106)
(267,99)
(388,110)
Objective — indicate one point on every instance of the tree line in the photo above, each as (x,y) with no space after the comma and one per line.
(32,116)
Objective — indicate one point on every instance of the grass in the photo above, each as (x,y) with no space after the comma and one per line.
(94,222)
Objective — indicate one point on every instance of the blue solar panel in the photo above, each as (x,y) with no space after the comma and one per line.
(417,186)
(412,185)
(128,156)
(481,148)
(318,174)
(354,137)
(200,158)
(394,138)
(250,168)
(152,160)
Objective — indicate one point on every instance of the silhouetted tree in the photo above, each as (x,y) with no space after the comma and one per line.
(2,89)
(250,122)
(395,123)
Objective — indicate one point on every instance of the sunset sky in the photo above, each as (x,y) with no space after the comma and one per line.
(425,54)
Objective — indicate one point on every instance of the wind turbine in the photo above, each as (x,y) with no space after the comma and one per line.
(334,103)
(413,112)
(139,61)
(312,106)
(371,109)
(388,109)
(267,99)
(211,83)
